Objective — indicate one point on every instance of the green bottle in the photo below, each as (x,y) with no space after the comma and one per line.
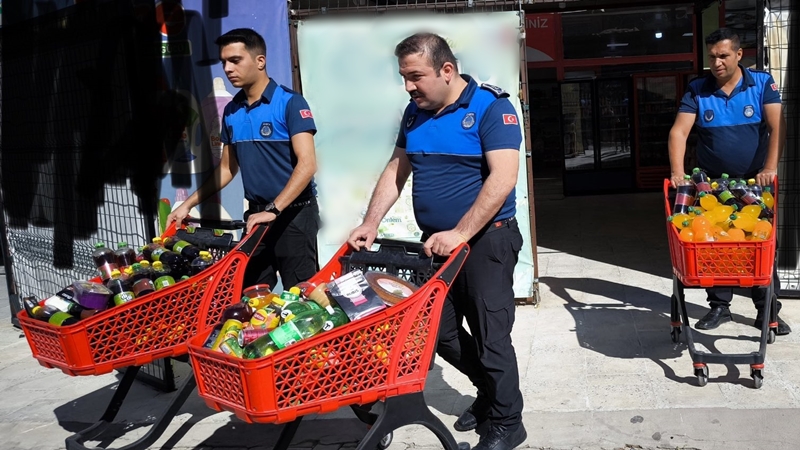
(292,309)
(262,346)
(303,326)
(337,319)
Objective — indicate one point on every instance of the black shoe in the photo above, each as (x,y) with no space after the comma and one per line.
(500,437)
(783,327)
(476,414)
(718,315)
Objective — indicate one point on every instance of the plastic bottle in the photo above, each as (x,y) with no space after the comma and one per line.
(104,260)
(292,295)
(147,269)
(684,199)
(680,220)
(186,249)
(202,262)
(736,235)
(50,314)
(686,235)
(335,319)
(701,181)
(303,326)
(702,229)
(124,255)
(174,261)
(708,201)
(726,197)
(762,230)
(147,250)
(769,200)
(120,287)
(744,222)
(752,196)
(292,309)
(163,275)
(722,184)
(240,311)
(263,346)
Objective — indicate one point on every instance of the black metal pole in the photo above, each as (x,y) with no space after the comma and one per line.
(760,49)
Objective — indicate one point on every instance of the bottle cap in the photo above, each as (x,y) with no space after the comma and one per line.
(687,177)
(115,273)
(751,181)
(136,266)
(99,245)
(129,270)
(685,224)
(703,194)
(145,264)
(245,299)
(696,170)
(669,219)
(158,265)
(734,217)
(714,185)
(122,244)
(205,253)
(157,240)
(725,176)
(294,290)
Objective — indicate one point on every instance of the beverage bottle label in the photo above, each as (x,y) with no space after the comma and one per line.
(231,347)
(164,281)
(155,255)
(286,335)
(58,303)
(123,297)
(329,325)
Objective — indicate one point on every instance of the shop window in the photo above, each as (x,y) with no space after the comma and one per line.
(628,32)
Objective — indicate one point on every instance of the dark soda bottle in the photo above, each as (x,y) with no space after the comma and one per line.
(48,314)
(175,262)
(684,199)
(202,262)
(31,307)
(701,181)
(147,250)
(125,256)
(753,197)
(727,198)
(240,311)
(104,260)
(120,287)
(141,284)
(163,275)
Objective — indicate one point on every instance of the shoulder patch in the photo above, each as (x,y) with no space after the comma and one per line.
(497,91)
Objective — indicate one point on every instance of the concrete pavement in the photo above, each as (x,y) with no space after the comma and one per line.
(598,368)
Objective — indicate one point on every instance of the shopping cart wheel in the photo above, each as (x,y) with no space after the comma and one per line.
(676,334)
(758,378)
(702,375)
(386,441)
(771,335)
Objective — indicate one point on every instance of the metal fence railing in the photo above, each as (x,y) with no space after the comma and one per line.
(781,57)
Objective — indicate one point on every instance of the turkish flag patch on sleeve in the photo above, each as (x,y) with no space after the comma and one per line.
(774,86)
(306,114)
(510,119)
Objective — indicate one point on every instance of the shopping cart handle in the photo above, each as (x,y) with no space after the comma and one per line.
(457,258)
(223,224)
(252,239)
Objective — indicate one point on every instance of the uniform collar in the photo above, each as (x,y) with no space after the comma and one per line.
(464,98)
(266,96)
(746,81)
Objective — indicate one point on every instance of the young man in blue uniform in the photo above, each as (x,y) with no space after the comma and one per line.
(461,141)
(267,132)
(739,122)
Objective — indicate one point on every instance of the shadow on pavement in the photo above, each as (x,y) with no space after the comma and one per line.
(635,323)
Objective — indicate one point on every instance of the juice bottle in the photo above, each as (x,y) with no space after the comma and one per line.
(687,235)
(680,220)
(736,235)
(684,199)
(124,256)
(701,227)
(762,230)
(701,181)
(744,222)
(708,201)
(104,260)
(769,200)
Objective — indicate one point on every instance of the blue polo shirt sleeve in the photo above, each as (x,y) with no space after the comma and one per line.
(771,92)
(689,102)
(401,135)
(224,132)
(499,127)
(299,118)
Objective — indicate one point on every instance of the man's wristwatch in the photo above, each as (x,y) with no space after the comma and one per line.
(271,208)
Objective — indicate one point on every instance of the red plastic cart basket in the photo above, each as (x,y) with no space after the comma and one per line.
(155,326)
(707,264)
(384,355)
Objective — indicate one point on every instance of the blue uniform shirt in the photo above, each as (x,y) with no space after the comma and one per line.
(260,136)
(447,152)
(732,132)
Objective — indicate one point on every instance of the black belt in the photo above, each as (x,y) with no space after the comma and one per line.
(257,207)
(505,223)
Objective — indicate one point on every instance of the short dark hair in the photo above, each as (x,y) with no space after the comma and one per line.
(724,34)
(252,41)
(428,44)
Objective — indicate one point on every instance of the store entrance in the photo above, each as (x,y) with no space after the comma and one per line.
(596,124)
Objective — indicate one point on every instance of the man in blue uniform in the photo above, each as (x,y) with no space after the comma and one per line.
(462,141)
(739,122)
(267,132)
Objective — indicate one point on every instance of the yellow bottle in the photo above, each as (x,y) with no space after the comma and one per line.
(708,201)
(752,210)
(680,220)
(762,230)
(744,222)
(769,200)
(687,235)
(736,235)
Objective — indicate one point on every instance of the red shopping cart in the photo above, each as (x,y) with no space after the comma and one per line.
(385,356)
(152,327)
(709,264)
